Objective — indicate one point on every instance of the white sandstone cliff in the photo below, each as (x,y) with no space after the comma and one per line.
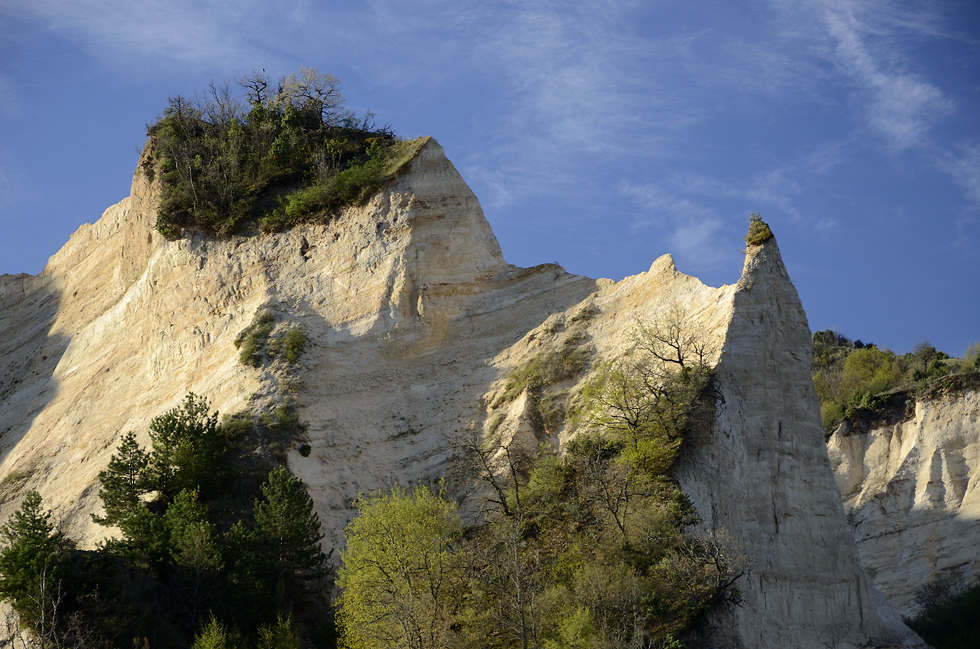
(414,321)
(911,494)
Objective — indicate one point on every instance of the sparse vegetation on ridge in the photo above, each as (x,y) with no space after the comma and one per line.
(286,152)
(759,231)
(256,341)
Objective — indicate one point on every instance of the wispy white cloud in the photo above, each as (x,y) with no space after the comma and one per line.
(861,40)
(786,187)
(692,230)
(156,35)
(964,167)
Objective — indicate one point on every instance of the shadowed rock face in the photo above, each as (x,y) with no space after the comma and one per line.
(910,493)
(414,321)
(762,473)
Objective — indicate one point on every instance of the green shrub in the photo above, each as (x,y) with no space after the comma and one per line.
(950,622)
(759,231)
(584,314)
(216,635)
(238,425)
(552,408)
(495,424)
(547,368)
(252,339)
(11,484)
(275,158)
(290,344)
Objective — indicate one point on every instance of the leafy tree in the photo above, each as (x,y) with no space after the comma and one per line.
(972,355)
(645,398)
(399,566)
(32,564)
(313,93)
(124,483)
(593,549)
(510,575)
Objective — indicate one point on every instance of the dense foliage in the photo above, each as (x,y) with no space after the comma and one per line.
(284,153)
(951,618)
(852,377)
(216,539)
(591,549)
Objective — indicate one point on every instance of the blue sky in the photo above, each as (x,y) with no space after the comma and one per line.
(598,134)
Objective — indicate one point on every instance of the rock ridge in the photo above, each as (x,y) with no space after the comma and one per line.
(414,318)
(761,472)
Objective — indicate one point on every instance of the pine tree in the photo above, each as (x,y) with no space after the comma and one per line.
(186,447)
(287,533)
(124,483)
(194,550)
(31,563)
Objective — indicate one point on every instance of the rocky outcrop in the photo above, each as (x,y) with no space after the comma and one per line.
(910,490)
(760,471)
(414,321)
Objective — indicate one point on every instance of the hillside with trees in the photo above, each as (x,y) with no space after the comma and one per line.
(215,539)
(854,379)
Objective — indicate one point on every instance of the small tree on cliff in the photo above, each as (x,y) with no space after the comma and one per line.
(124,483)
(186,448)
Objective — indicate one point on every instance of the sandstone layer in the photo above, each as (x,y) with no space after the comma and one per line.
(414,321)
(911,494)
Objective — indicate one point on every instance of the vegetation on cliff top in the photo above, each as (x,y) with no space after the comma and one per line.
(759,231)
(286,152)
(855,380)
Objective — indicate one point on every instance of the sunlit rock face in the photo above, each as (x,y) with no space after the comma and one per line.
(911,494)
(414,322)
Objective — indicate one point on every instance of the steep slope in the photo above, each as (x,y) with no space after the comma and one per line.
(910,493)
(761,472)
(414,321)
